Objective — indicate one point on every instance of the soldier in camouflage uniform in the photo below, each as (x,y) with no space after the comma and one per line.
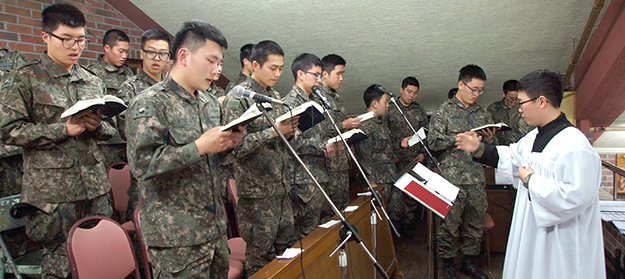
(154,56)
(311,146)
(501,111)
(338,166)
(11,162)
(246,67)
(261,165)
(466,217)
(519,126)
(395,121)
(173,153)
(64,172)
(10,156)
(111,69)
(375,153)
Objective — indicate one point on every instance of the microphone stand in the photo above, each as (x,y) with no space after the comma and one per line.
(432,253)
(376,200)
(346,224)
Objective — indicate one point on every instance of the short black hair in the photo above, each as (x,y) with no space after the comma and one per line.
(543,82)
(56,14)
(510,85)
(111,37)
(193,35)
(262,50)
(330,61)
(372,94)
(410,81)
(304,62)
(469,72)
(452,93)
(154,34)
(246,52)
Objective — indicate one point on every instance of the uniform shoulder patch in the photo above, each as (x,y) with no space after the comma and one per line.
(8,81)
(143,110)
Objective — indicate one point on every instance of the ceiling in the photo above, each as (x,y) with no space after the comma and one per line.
(385,41)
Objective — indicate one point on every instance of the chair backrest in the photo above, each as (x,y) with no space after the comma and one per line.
(147,270)
(119,177)
(232,191)
(103,251)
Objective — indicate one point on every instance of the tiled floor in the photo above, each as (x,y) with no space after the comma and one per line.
(413,254)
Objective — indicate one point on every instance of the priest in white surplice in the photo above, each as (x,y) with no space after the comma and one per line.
(556,226)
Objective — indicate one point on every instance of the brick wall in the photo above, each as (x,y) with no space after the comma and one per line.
(607,176)
(20,26)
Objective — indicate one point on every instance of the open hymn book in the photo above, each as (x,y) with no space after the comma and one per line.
(352,136)
(428,188)
(248,116)
(109,104)
(310,114)
(499,126)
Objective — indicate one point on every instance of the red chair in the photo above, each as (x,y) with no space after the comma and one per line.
(103,251)
(147,264)
(119,177)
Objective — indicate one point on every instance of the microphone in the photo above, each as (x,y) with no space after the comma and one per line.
(317,91)
(238,91)
(382,89)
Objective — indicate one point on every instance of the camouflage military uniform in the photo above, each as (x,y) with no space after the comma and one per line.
(261,168)
(236,81)
(501,113)
(406,207)
(309,145)
(467,214)
(11,162)
(10,156)
(338,166)
(113,77)
(183,220)
(128,91)
(375,155)
(519,126)
(65,177)
(216,90)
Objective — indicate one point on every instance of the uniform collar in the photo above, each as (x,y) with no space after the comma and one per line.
(179,91)
(259,88)
(145,77)
(299,91)
(109,67)
(471,107)
(53,68)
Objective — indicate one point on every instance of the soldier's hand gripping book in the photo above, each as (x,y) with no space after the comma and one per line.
(110,105)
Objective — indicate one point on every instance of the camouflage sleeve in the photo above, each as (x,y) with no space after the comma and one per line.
(438,139)
(229,87)
(126,92)
(108,125)
(364,152)
(16,126)
(149,151)
(491,109)
(234,107)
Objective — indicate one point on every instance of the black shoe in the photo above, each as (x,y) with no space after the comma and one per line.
(449,269)
(469,268)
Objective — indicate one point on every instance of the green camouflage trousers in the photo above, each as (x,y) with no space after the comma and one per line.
(266,224)
(52,230)
(307,216)
(208,260)
(465,218)
(338,190)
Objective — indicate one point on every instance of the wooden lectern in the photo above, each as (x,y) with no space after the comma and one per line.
(318,245)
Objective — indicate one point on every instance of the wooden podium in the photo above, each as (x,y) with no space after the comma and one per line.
(318,245)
